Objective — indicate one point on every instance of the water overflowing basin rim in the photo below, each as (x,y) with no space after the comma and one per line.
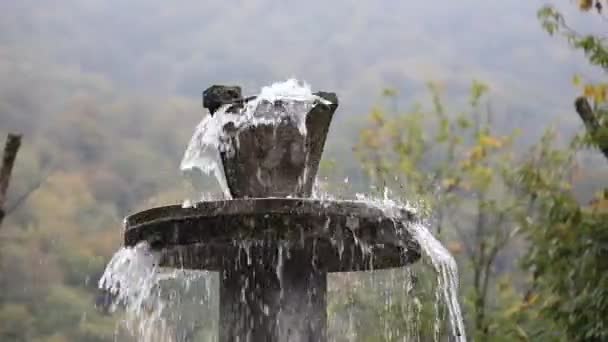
(335,228)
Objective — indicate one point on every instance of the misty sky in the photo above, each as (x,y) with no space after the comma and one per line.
(171,49)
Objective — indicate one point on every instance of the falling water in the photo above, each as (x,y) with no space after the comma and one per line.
(135,279)
(440,258)
(131,277)
(137,284)
(209,139)
(447,275)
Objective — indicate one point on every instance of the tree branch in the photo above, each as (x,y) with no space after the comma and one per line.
(26,194)
(13,142)
(591,122)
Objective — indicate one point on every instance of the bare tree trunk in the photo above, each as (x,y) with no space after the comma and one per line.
(13,142)
(592,123)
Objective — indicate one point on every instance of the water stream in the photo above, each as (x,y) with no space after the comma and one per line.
(155,299)
(437,255)
(209,139)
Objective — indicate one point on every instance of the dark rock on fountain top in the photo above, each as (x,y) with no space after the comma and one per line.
(273,244)
(216,96)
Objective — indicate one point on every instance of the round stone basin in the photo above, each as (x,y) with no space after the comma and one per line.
(338,236)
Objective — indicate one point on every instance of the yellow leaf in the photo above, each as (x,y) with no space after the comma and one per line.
(576,80)
(449,182)
(522,334)
(600,204)
(589,90)
(600,93)
(585,5)
(377,117)
(477,153)
(455,247)
(532,299)
(490,141)
(465,164)
(597,92)
(513,310)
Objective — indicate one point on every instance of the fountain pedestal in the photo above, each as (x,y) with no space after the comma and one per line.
(259,302)
(273,256)
(274,252)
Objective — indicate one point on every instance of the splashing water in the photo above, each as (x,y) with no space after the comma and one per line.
(209,139)
(447,275)
(136,282)
(134,277)
(131,276)
(440,258)
(203,152)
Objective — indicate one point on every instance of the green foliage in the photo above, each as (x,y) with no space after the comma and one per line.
(16,323)
(456,165)
(568,250)
(55,244)
(110,154)
(569,259)
(388,305)
(507,201)
(594,46)
(567,255)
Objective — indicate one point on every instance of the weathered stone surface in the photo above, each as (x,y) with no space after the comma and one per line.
(212,233)
(273,256)
(317,123)
(278,161)
(265,303)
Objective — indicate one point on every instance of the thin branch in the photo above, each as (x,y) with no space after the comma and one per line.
(591,122)
(26,194)
(571,33)
(13,142)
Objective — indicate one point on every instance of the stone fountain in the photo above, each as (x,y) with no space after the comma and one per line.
(272,244)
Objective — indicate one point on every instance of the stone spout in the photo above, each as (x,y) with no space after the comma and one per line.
(272,160)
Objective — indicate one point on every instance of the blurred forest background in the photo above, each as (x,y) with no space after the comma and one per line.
(468,106)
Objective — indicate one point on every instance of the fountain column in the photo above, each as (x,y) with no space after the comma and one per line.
(263,298)
(274,293)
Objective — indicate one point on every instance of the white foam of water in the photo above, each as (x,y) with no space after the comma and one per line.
(131,277)
(388,205)
(209,139)
(134,279)
(442,261)
(319,193)
(203,152)
(447,275)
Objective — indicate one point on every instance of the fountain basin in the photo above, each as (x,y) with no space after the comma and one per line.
(273,255)
(342,236)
